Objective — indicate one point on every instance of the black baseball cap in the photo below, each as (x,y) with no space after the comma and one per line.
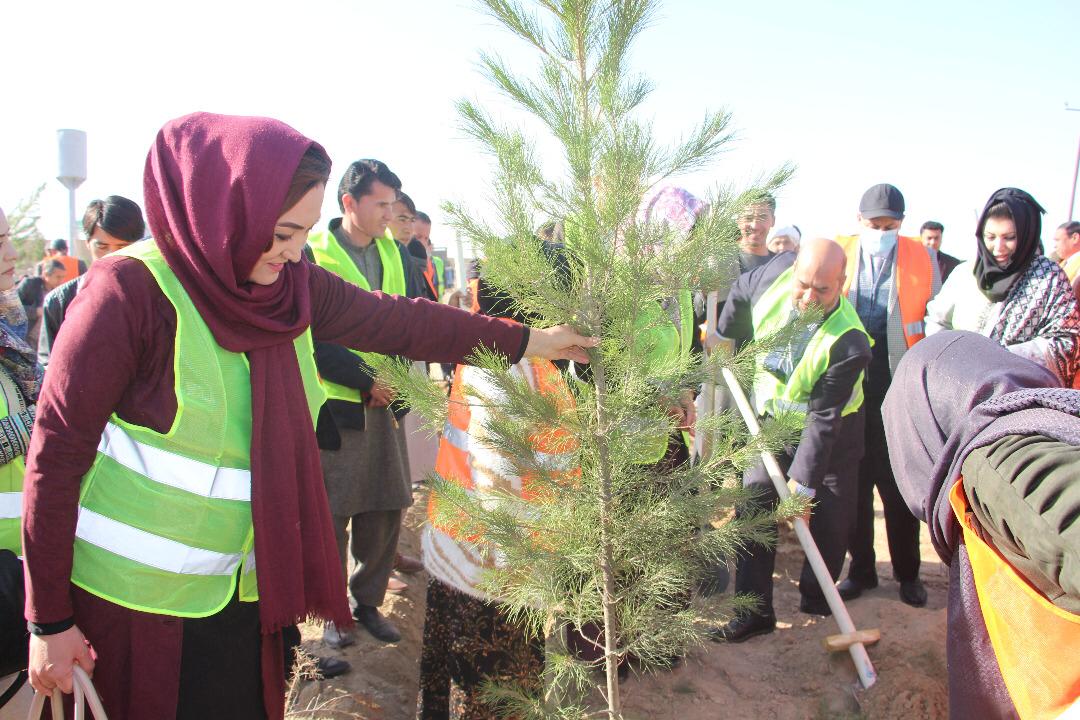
(882,200)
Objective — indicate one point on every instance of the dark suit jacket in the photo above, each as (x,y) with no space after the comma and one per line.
(946,264)
(825,426)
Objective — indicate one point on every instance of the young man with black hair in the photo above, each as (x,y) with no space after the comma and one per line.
(402,222)
(431,264)
(363,450)
(930,233)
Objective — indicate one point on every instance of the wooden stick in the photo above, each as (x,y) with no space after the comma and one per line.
(863,666)
(835,643)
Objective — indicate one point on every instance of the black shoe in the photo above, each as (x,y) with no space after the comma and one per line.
(330,667)
(913,593)
(743,628)
(852,588)
(814,606)
(379,627)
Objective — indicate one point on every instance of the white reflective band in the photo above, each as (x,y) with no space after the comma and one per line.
(10,505)
(456,437)
(780,406)
(150,549)
(249,562)
(193,476)
(554,462)
(915,328)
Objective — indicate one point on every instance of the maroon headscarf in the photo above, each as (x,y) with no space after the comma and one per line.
(214,187)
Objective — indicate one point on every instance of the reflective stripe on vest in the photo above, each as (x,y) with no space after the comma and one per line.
(11,483)
(553,448)
(456,437)
(770,313)
(913,274)
(329,255)
(10,525)
(153,550)
(164,518)
(168,468)
(1032,638)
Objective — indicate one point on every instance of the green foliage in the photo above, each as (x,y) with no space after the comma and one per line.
(618,544)
(29,242)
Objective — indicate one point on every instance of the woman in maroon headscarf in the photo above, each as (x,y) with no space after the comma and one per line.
(230,201)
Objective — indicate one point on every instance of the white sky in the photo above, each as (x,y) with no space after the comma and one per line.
(947,99)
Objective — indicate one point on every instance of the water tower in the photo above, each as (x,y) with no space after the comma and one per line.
(71,174)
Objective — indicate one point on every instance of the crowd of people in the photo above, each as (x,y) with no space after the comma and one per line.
(191,467)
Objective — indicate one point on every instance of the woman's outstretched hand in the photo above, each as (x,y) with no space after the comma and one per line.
(559,343)
(51,658)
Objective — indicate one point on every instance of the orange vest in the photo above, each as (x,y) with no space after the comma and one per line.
(71,266)
(429,276)
(1036,643)
(914,280)
(454,462)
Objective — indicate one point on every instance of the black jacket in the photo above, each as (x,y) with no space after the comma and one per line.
(946,264)
(849,356)
(53,310)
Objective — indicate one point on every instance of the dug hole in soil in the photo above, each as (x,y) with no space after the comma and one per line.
(786,675)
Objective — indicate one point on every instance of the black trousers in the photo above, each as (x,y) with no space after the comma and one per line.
(901,527)
(830,522)
(220,668)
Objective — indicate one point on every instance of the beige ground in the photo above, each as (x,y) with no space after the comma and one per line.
(786,675)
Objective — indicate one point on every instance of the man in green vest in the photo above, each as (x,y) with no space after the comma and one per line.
(422,236)
(817,376)
(363,450)
(402,221)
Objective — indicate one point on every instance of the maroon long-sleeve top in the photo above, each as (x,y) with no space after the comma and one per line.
(115,354)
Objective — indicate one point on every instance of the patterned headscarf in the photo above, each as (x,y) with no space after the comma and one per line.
(16,356)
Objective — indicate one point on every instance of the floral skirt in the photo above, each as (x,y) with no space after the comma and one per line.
(466,643)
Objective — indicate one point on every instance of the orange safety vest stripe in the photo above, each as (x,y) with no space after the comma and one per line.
(914,278)
(429,276)
(1032,638)
(454,462)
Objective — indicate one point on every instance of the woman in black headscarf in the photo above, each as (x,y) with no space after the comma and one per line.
(1011,292)
(985,448)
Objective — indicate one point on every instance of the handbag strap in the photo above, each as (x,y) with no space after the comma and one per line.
(14,688)
(85,694)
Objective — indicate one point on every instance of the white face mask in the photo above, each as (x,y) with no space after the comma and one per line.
(878,242)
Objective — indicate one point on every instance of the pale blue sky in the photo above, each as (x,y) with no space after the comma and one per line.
(948,100)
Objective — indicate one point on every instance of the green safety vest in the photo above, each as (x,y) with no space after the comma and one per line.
(771,396)
(11,483)
(440,270)
(165,519)
(665,341)
(331,256)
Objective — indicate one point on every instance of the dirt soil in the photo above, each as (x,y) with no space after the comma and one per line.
(786,675)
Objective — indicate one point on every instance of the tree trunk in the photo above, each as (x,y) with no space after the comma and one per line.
(611,655)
